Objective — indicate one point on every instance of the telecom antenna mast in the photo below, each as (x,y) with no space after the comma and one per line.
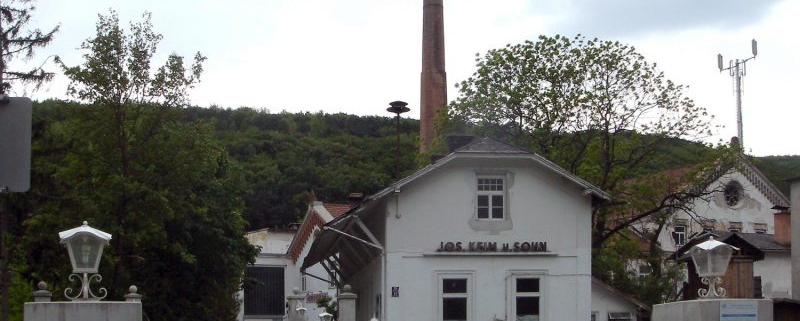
(737,69)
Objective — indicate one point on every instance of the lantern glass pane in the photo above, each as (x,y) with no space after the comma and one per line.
(719,258)
(701,262)
(86,250)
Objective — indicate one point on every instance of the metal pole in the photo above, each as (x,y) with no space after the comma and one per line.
(738,83)
(397,150)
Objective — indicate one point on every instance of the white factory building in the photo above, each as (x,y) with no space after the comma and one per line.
(489,232)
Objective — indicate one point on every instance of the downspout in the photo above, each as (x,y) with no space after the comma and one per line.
(386,295)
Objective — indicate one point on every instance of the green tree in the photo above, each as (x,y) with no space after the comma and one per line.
(601,111)
(597,108)
(18,41)
(164,188)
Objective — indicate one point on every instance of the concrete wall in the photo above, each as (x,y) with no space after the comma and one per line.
(83,311)
(705,310)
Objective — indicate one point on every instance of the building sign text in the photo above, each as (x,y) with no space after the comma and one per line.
(492,247)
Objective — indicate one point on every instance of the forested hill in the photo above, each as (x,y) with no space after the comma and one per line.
(282,157)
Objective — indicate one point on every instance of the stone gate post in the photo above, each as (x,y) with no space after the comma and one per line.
(347,304)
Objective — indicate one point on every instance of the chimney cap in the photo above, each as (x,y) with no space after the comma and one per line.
(398,107)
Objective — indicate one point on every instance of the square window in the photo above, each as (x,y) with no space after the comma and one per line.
(454,293)
(491,198)
(527,295)
(679,234)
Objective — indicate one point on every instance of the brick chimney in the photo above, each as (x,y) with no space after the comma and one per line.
(433,82)
(783,225)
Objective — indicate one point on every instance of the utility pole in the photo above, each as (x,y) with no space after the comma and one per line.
(738,69)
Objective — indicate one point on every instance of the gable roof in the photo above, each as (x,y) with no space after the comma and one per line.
(490,147)
(756,243)
(318,214)
(763,184)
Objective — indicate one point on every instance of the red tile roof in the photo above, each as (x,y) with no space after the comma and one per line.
(313,219)
(336,210)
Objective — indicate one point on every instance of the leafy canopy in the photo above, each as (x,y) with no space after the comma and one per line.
(601,111)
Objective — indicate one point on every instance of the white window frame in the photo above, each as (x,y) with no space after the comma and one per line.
(511,289)
(470,295)
(643,274)
(679,241)
(503,193)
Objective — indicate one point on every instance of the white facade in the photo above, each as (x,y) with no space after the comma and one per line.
(752,210)
(449,253)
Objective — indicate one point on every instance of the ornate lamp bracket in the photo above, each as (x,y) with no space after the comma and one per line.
(85,293)
(714,290)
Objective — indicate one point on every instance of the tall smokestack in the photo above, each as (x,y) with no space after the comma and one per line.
(433,91)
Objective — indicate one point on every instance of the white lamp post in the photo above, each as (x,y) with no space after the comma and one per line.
(85,247)
(711,261)
(325,316)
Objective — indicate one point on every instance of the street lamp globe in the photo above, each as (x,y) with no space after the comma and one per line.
(711,259)
(85,247)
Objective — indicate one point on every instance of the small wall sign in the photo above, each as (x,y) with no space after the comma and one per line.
(395,291)
(739,310)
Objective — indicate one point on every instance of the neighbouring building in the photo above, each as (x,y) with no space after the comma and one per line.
(745,203)
(609,304)
(276,272)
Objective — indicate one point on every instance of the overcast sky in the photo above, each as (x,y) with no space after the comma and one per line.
(355,56)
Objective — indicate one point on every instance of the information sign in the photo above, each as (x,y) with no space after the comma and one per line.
(738,310)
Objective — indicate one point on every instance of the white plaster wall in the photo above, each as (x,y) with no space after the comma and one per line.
(754,208)
(775,271)
(604,301)
(438,207)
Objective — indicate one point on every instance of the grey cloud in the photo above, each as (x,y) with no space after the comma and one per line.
(635,17)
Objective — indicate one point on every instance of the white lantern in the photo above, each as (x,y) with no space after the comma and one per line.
(325,316)
(711,259)
(85,247)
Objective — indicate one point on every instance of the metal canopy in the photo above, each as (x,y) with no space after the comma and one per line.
(344,247)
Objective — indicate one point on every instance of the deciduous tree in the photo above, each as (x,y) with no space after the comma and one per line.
(598,109)
(164,188)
